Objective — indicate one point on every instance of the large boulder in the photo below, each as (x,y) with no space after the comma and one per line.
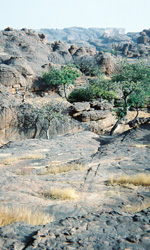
(107,62)
(143,39)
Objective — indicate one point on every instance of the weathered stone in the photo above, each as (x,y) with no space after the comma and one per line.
(94,115)
(101,105)
(80,106)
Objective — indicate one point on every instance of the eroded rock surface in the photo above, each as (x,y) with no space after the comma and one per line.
(98,220)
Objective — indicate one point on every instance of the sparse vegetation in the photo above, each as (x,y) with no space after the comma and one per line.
(61,193)
(62,169)
(142,145)
(13,214)
(134,82)
(80,95)
(11,160)
(137,180)
(101,87)
(89,68)
(57,77)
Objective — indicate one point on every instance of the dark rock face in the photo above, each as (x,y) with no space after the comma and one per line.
(143,39)
(20,121)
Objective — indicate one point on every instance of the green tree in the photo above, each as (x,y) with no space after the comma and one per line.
(64,76)
(103,87)
(99,88)
(134,81)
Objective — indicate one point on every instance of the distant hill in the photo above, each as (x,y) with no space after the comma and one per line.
(78,33)
(99,38)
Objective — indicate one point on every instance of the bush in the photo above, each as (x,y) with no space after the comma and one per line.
(88,67)
(99,88)
(103,88)
(80,95)
(57,77)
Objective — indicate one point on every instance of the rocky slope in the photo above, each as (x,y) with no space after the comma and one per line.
(99,219)
(46,144)
(24,56)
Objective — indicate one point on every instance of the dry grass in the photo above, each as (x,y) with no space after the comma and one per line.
(142,145)
(113,193)
(136,208)
(10,215)
(137,180)
(11,160)
(63,169)
(62,194)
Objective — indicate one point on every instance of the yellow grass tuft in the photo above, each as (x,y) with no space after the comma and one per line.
(62,169)
(11,160)
(62,194)
(10,215)
(136,208)
(137,180)
(142,145)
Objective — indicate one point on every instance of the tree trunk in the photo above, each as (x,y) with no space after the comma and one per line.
(65,91)
(115,126)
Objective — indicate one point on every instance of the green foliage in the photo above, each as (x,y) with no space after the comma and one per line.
(98,88)
(132,73)
(113,52)
(134,81)
(103,88)
(64,76)
(121,112)
(80,95)
(89,68)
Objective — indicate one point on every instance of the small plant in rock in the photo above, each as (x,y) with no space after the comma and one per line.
(61,77)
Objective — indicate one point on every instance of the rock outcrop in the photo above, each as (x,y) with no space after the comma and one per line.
(96,115)
(98,219)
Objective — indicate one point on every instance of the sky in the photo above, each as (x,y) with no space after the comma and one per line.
(133,15)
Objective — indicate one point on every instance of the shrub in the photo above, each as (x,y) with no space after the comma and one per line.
(80,95)
(57,77)
(88,67)
(103,88)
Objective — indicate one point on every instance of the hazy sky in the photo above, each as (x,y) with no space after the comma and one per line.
(133,15)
